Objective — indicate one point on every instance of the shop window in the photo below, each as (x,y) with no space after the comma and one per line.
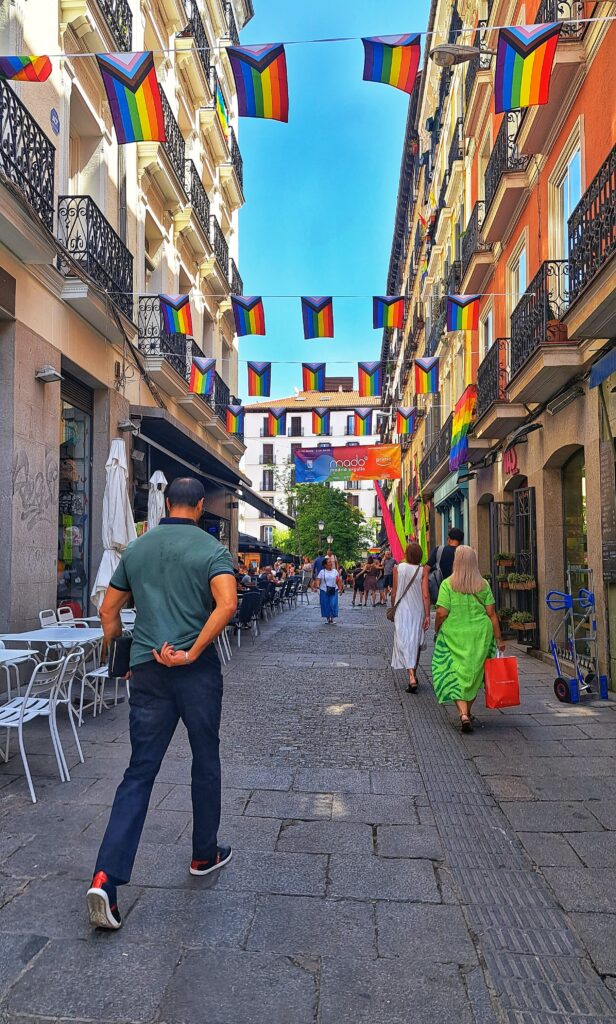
(74,498)
(267,533)
(574,511)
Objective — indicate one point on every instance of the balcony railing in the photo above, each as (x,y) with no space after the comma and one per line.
(92,243)
(454,278)
(236,157)
(175,147)
(235,280)
(535,318)
(295,431)
(119,18)
(566,11)
(437,453)
(219,243)
(196,29)
(437,326)
(480,63)
(592,228)
(492,376)
(27,157)
(455,147)
(505,156)
(176,349)
(471,242)
(234,35)
(198,197)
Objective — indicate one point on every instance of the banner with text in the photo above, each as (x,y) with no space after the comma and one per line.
(352,462)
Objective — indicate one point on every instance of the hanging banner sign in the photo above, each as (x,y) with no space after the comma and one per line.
(352,462)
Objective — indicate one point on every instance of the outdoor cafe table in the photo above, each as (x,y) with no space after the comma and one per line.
(65,635)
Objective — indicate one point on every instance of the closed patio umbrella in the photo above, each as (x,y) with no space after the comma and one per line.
(118,524)
(156,498)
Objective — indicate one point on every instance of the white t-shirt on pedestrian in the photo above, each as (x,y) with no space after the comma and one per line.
(328,578)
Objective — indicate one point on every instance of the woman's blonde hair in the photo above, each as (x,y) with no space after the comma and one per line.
(466,578)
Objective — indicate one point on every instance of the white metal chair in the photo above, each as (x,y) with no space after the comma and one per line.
(65,615)
(37,702)
(14,666)
(48,618)
(63,696)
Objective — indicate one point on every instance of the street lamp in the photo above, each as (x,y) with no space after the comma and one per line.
(330,539)
(321,526)
(448,54)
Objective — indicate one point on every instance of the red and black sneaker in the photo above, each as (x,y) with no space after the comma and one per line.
(205,867)
(102,900)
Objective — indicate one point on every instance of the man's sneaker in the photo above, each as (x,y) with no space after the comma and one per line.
(205,867)
(103,903)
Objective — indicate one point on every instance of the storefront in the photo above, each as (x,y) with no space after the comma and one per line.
(451,504)
(75,495)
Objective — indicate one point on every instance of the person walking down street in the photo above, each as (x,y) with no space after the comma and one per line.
(318,564)
(183,587)
(330,585)
(411,600)
(372,571)
(333,558)
(467,632)
(389,564)
(440,562)
(358,584)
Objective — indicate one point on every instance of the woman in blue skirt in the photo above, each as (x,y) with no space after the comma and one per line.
(330,585)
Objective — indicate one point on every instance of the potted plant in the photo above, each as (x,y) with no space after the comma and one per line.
(522,621)
(502,580)
(504,558)
(521,581)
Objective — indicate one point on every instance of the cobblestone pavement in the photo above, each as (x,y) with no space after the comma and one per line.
(386,870)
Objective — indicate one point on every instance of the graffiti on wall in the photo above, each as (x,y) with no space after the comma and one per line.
(36,492)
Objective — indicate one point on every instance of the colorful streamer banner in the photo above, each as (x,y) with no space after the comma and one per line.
(362,422)
(524,60)
(423,519)
(392,537)
(392,60)
(202,375)
(321,420)
(235,419)
(406,421)
(25,69)
(463,312)
(398,523)
(277,422)
(388,311)
(221,110)
(134,96)
(351,462)
(259,379)
(260,74)
(426,375)
(318,316)
(369,377)
(248,314)
(175,313)
(463,414)
(313,376)
(409,526)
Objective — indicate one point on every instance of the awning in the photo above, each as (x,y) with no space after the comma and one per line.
(603,369)
(254,499)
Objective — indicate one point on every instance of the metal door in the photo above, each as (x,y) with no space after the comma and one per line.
(501,539)
(525,520)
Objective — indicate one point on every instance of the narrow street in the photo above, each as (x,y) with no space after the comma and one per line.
(386,869)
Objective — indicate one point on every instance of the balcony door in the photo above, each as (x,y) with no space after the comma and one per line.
(568,195)
(86,165)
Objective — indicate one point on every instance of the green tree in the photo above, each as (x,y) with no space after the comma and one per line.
(285,540)
(346,524)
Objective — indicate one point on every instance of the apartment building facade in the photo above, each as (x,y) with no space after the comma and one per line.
(90,233)
(519,208)
(269,460)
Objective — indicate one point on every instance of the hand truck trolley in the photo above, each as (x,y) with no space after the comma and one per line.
(574,641)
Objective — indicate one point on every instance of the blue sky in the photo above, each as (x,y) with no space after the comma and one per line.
(321,191)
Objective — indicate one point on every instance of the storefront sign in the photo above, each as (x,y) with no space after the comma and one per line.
(353,462)
(510,462)
(608,510)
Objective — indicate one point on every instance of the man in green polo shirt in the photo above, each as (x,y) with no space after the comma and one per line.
(183,587)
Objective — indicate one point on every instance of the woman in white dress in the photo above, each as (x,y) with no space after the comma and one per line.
(410,597)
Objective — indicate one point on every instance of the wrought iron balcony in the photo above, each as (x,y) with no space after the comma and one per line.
(492,376)
(405,442)
(437,326)
(176,349)
(296,432)
(198,197)
(535,320)
(119,18)
(592,228)
(219,243)
(196,29)
(455,26)
(480,63)
(92,243)
(505,156)
(454,278)
(175,147)
(234,35)
(437,453)
(235,280)
(236,157)
(267,460)
(566,11)
(471,242)
(455,148)
(27,157)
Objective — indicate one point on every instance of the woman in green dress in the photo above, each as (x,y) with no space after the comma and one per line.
(467,631)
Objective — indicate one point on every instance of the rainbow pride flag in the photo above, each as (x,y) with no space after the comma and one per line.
(235,419)
(406,421)
(321,420)
(392,60)
(369,378)
(260,74)
(25,69)
(248,314)
(221,110)
(175,313)
(313,376)
(276,422)
(463,414)
(362,422)
(259,379)
(426,375)
(463,312)
(202,376)
(388,311)
(318,316)
(134,96)
(524,60)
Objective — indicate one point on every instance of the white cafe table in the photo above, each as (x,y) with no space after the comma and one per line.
(66,635)
(11,660)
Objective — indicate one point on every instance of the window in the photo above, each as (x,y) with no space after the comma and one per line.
(296,426)
(486,334)
(517,277)
(377,507)
(267,484)
(267,534)
(268,455)
(350,425)
(353,500)
(295,447)
(568,195)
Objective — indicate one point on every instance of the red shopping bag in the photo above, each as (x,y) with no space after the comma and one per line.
(502,686)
